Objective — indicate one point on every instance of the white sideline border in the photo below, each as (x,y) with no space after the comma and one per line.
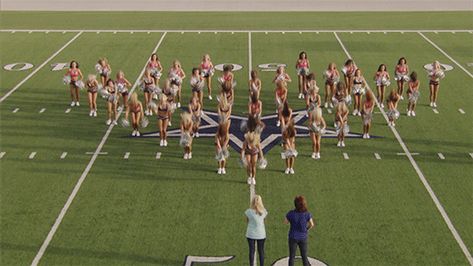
(39,67)
(68,203)
(424,181)
(233,31)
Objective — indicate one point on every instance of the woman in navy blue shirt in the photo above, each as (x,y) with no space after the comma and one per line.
(301,221)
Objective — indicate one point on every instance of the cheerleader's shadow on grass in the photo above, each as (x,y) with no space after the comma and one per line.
(211,177)
(126,258)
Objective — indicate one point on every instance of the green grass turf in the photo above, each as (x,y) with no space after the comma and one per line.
(237,20)
(147,211)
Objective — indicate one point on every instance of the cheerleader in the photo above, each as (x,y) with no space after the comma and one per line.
(171,92)
(197,83)
(112,98)
(186,134)
(136,110)
(207,72)
(341,122)
(222,138)
(177,75)
(312,98)
(382,81)
(392,113)
(358,85)
(163,109)
(289,145)
(367,113)
(316,127)
(281,75)
(401,75)
(280,95)
(227,83)
(348,72)
(250,152)
(195,109)
(122,87)
(155,68)
(103,69)
(285,115)
(75,82)
(255,106)
(302,68)
(92,88)
(434,84)
(224,109)
(148,87)
(255,84)
(332,77)
(413,94)
(340,94)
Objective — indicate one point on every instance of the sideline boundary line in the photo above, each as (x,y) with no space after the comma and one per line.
(234,31)
(445,54)
(422,178)
(39,67)
(68,203)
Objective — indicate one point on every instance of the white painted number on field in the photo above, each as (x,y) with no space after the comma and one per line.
(236,67)
(190,260)
(18,66)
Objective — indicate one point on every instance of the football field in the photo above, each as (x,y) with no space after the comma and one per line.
(75,191)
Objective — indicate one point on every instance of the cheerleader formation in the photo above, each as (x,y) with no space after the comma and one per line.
(163,97)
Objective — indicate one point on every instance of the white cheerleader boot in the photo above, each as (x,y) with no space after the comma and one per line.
(77,103)
(223,171)
(287,171)
(314,155)
(108,122)
(291,171)
(248,181)
(74,103)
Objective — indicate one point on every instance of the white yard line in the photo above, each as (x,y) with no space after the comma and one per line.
(16,110)
(2,154)
(68,203)
(444,53)
(63,155)
(471,155)
(461,111)
(411,153)
(377,156)
(424,181)
(441,156)
(32,155)
(42,110)
(236,31)
(39,67)
(250,60)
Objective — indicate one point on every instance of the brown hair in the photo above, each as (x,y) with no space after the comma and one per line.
(300,203)
(290,130)
(254,74)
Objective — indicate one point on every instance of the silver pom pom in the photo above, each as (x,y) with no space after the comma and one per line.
(385,82)
(104,93)
(367,118)
(244,126)
(80,84)
(121,87)
(262,163)
(124,122)
(144,122)
(185,139)
(289,153)
(414,96)
(66,80)
(98,68)
(348,99)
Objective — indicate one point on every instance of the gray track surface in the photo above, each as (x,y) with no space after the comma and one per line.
(237,5)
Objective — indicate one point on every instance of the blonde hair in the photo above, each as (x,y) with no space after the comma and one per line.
(317,113)
(120,73)
(257,205)
(163,98)
(223,101)
(253,138)
(134,98)
(91,77)
(436,65)
(176,62)
(186,118)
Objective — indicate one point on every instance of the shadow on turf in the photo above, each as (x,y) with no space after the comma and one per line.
(109,255)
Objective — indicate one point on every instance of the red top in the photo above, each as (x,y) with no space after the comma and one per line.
(205,65)
(227,77)
(401,69)
(152,64)
(302,63)
(74,73)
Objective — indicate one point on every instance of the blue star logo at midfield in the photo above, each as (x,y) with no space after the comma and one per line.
(270,137)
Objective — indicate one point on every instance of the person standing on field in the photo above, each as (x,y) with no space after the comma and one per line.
(301,222)
(255,232)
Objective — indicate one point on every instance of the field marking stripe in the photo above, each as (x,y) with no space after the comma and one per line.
(39,67)
(471,155)
(377,156)
(2,154)
(68,110)
(444,53)
(237,31)
(42,110)
(424,181)
(461,111)
(68,203)
(435,111)
(16,110)
(63,155)
(127,155)
(158,155)
(441,156)
(32,155)
(345,156)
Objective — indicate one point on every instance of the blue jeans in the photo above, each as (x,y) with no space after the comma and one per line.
(251,244)
(293,243)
